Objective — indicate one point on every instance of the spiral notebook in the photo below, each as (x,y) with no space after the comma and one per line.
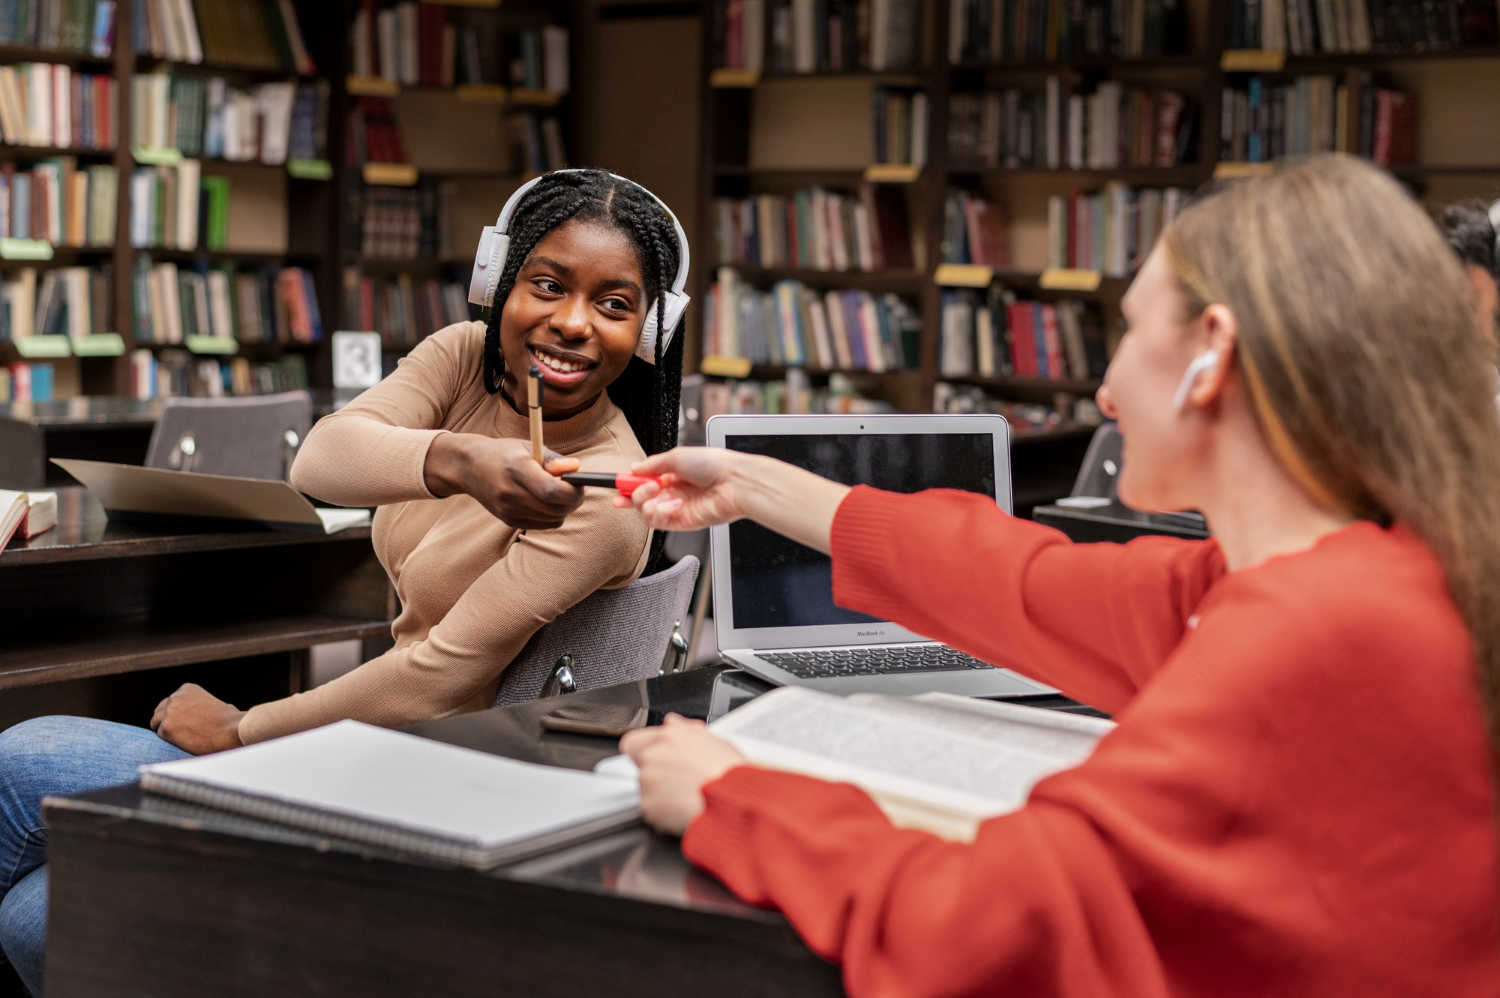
(385,788)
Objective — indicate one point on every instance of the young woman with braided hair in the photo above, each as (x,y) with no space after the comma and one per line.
(482,544)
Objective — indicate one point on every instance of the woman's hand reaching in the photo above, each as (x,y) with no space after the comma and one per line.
(699,488)
(706,486)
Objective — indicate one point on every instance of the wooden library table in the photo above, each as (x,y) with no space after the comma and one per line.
(105,619)
(159,897)
(96,428)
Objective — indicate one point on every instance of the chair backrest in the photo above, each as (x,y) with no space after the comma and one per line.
(247,437)
(614,635)
(1100,473)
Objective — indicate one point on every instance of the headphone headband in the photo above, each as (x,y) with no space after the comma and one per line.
(494,247)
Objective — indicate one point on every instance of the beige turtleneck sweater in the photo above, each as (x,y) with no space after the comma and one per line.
(472,589)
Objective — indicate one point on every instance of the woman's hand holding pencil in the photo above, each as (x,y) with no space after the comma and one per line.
(504,475)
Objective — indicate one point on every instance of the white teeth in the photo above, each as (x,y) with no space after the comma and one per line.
(561,366)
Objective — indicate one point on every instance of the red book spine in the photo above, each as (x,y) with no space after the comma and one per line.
(1384,109)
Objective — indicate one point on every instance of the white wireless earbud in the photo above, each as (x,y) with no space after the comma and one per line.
(1205,361)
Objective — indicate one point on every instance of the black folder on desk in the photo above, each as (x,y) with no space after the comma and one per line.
(132,492)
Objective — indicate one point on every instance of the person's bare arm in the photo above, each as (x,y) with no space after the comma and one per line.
(707,486)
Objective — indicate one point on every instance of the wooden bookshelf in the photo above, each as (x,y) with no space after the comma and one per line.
(320,235)
(1458,153)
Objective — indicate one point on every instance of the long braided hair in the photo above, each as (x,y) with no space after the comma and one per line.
(648,395)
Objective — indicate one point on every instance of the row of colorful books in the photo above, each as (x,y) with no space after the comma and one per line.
(1064,412)
(974,231)
(817,229)
(165,373)
(57,202)
(813,36)
(228,32)
(1114,126)
(793,395)
(797,326)
(69,25)
(404,311)
(990,31)
(425,45)
(1264,121)
(994,334)
(63,301)
(269,123)
(43,104)
(265,304)
(28,381)
(1111,231)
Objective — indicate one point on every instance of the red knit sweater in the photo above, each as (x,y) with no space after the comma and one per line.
(1296,801)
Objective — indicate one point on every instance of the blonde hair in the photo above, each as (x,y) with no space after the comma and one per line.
(1366,364)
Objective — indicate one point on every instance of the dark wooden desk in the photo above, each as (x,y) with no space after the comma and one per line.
(105,618)
(98,428)
(151,896)
(1115,522)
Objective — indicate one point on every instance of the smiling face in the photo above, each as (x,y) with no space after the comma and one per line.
(576,313)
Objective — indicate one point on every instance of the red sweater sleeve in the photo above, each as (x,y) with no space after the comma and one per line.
(1036,906)
(1094,620)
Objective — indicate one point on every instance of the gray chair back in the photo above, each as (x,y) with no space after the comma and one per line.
(253,437)
(614,635)
(1099,475)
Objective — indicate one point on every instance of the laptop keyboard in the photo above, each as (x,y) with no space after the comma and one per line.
(874,660)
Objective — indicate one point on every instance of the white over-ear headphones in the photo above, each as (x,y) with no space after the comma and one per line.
(1205,361)
(494,244)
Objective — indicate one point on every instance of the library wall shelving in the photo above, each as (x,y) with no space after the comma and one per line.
(1058,140)
(239,178)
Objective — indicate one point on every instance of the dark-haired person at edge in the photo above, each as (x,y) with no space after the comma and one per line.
(1473,233)
(1300,796)
(483,546)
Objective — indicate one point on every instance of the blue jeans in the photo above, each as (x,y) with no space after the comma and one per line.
(49,757)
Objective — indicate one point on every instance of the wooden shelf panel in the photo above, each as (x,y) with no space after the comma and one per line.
(35,53)
(133,648)
(1109,287)
(47,152)
(899,281)
(1302,63)
(146,61)
(227,256)
(1187,61)
(1086,386)
(1189,174)
(776,372)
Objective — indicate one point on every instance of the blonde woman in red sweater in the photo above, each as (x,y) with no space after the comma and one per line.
(1300,796)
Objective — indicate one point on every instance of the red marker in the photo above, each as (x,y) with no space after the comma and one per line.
(622,483)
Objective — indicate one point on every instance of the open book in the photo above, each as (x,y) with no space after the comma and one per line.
(937,762)
(26,514)
(400,791)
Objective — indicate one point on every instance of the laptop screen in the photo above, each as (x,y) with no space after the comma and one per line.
(780,583)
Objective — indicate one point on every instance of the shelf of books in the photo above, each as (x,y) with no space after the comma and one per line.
(154,154)
(451,109)
(1045,148)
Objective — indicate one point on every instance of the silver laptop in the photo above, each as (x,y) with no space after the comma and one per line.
(773,598)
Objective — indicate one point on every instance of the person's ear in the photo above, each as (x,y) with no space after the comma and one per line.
(1214,366)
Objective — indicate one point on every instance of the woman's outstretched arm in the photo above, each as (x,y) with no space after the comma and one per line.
(1095,620)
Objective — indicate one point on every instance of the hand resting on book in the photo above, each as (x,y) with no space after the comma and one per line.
(676,759)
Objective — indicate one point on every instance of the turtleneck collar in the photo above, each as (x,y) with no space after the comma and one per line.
(561,435)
